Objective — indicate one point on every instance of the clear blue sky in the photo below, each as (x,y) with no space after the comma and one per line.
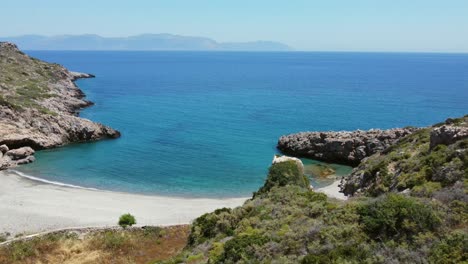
(363,25)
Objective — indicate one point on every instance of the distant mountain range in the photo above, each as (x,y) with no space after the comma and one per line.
(139,42)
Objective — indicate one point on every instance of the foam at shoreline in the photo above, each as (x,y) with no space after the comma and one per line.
(33,178)
(31,208)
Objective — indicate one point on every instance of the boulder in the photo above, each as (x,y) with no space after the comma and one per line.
(447,135)
(26,160)
(4,148)
(20,153)
(5,164)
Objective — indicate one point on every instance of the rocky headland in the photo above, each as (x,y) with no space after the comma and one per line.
(345,147)
(433,157)
(39,106)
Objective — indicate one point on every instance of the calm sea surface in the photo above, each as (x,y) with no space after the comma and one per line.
(205,124)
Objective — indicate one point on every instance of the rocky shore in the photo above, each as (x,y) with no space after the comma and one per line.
(345,147)
(39,106)
(438,154)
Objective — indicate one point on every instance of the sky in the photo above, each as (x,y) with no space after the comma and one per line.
(321,25)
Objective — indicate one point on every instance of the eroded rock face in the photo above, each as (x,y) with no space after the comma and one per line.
(346,147)
(15,157)
(39,104)
(447,134)
(279,159)
(21,153)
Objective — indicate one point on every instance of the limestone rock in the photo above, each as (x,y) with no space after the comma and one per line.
(26,160)
(347,147)
(21,153)
(4,148)
(447,135)
(15,157)
(278,159)
(49,117)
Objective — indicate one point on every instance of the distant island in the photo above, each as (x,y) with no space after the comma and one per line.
(139,42)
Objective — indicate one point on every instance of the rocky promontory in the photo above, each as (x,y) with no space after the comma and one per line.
(39,106)
(345,147)
(432,157)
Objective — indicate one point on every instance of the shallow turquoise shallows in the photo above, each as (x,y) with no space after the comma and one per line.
(205,124)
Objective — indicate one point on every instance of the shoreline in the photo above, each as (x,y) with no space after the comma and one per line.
(30,206)
(332,191)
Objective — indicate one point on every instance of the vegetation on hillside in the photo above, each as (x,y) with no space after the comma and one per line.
(413,210)
(25,81)
(412,165)
(286,222)
(133,245)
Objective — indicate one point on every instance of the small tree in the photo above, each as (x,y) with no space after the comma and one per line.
(126,220)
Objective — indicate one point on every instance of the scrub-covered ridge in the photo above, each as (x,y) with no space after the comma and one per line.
(413,211)
(39,104)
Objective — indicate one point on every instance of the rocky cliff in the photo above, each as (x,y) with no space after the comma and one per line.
(429,159)
(39,105)
(346,147)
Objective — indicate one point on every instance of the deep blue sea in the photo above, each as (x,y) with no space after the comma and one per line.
(205,124)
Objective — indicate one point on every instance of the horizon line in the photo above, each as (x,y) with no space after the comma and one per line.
(256,51)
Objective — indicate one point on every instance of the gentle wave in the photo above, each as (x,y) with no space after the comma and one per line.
(24,175)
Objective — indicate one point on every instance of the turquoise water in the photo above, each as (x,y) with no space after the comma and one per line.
(206,123)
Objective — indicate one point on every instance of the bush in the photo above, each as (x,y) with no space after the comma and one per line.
(126,220)
(242,248)
(452,249)
(209,225)
(427,189)
(282,174)
(113,240)
(340,254)
(396,216)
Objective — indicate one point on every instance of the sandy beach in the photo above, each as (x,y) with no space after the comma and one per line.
(333,191)
(28,206)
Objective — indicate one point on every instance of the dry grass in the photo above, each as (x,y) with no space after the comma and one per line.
(142,245)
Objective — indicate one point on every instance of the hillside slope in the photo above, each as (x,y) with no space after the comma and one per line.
(39,104)
(286,222)
(427,161)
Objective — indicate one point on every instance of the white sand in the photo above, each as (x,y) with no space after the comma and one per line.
(28,206)
(332,191)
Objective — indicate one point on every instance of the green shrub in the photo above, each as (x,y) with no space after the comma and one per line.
(209,225)
(241,248)
(195,258)
(395,216)
(153,231)
(282,174)
(341,254)
(113,240)
(315,196)
(316,259)
(427,189)
(22,250)
(126,220)
(451,249)
(216,251)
